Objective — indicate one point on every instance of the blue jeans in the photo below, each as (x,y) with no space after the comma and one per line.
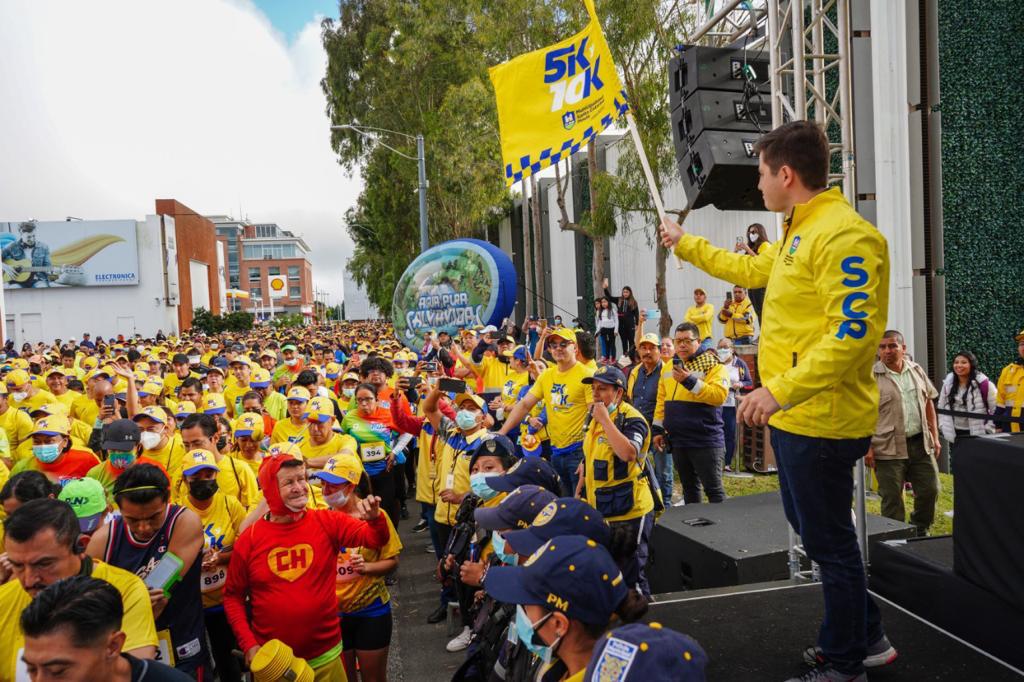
(565,466)
(663,472)
(816,482)
(729,421)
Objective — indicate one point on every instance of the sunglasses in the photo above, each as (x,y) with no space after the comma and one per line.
(563,344)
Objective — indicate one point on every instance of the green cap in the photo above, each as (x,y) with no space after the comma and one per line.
(288,346)
(87,498)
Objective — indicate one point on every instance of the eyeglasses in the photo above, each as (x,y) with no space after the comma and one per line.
(562,345)
(686,341)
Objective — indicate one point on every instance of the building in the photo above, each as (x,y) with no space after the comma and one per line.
(197,260)
(230,233)
(267,250)
(357,304)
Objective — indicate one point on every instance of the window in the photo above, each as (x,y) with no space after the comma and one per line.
(293,272)
(273,270)
(254,274)
(256,292)
(295,292)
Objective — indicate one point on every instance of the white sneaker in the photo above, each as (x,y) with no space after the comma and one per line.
(461,641)
(679,503)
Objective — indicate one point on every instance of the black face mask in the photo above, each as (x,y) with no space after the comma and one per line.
(222,443)
(203,490)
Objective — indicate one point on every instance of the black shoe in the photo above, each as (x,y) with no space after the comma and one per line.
(439,614)
(405,511)
(421,526)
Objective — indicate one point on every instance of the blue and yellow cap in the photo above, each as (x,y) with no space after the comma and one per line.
(563,516)
(319,409)
(639,653)
(197,460)
(341,468)
(213,403)
(519,508)
(570,573)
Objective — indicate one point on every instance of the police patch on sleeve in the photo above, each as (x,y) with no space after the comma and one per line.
(615,661)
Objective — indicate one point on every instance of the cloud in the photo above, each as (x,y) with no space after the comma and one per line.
(108,106)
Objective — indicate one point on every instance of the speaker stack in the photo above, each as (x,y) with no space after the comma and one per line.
(719,103)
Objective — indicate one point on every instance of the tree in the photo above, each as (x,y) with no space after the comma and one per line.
(209,323)
(288,320)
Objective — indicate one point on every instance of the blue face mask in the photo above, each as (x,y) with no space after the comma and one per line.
(527,633)
(465,419)
(47,453)
(499,547)
(478,483)
(121,460)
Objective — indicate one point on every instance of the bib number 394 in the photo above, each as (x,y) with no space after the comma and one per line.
(373,452)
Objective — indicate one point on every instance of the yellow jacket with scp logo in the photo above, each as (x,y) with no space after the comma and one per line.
(825,309)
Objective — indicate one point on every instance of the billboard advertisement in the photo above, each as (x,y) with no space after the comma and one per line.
(454,285)
(87,253)
(277,285)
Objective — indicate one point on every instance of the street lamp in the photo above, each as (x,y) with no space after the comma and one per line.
(420,159)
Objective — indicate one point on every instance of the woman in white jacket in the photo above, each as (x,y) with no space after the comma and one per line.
(965,389)
(607,326)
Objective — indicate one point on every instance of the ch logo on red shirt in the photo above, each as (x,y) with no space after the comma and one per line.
(290,562)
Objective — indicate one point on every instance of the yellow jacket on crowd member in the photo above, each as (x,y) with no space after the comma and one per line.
(1010,395)
(825,309)
(742,321)
(456,450)
(701,315)
(614,486)
(492,372)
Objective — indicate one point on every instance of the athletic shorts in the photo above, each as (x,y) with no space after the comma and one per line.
(366,633)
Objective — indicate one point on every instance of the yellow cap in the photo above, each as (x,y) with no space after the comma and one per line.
(462,397)
(249,424)
(151,387)
(56,369)
(156,413)
(298,393)
(651,338)
(197,460)
(213,403)
(185,408)
(51,408)
(259,378)
(319,409)
(341,468)
(17,377)
(350,376)
(285,448)
(90,362)
(52,425)
(332,370)
(141,366)
(563,333)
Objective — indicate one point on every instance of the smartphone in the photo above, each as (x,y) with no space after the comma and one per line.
(654,314)
(430,366)
(415,381)
(165,574)
(451,385)
(108,401)
(676,362)
(739,240)
(728,296)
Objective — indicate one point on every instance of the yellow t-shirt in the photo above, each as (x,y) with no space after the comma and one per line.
(233,394)
(565,398)
(67,399)
(170,455)
(493,372)
(355,591)
(85,409)
(701,316)
(137,624)
(335,444)
(18,426)
(285,430)
(29,404)
(514,382)
(221,521)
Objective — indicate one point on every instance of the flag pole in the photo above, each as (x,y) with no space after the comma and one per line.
(645,164)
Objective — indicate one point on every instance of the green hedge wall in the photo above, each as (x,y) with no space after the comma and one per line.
(982,76)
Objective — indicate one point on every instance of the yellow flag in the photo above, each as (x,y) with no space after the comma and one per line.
(552,101)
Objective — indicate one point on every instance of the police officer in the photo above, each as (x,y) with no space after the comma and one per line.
(613,475)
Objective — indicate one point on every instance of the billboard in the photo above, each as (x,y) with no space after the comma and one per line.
(455,285)
(277,285)
(87,253)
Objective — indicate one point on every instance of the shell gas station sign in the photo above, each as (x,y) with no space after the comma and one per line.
(277,285)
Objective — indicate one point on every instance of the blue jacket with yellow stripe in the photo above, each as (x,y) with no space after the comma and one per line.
(691,411)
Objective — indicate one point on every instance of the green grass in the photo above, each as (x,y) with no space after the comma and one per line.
(763,483)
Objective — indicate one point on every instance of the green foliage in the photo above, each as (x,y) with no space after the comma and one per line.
(984,254)
(288,320)
(204,320)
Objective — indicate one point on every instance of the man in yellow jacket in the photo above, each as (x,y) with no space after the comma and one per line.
(825,311)
(1010,398)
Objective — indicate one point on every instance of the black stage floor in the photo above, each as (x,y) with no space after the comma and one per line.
(754,633)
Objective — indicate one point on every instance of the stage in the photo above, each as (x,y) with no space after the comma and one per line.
(758,632)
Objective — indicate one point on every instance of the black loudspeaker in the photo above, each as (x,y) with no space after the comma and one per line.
(713,68)
(720,168)
(740,541)
(718,110)
(987,547)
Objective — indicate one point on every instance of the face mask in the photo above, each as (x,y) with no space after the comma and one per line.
(478,483)
(292,362)
(140,348)
(121,460)
(322,391)
(213,346)
(558,321)
(612,408)
(499,547)
(336,500)
(47,453)
(222,443)
(527,633)
(150,441)
(348,392)
(465,419)
(19,396)
(193,359)
(724,354)
(203,490)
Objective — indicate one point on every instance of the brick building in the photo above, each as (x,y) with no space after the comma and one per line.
(201,285)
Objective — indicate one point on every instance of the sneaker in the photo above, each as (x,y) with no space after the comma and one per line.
(430,549)
(437,615)
(421,526)
(404,512)
(878,654)
(461,641)
(826,673)
(679,503)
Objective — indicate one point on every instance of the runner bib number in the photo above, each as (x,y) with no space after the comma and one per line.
(373,452)
(346,571)
(211,581)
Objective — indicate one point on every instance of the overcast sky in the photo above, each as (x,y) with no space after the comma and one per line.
(109,105)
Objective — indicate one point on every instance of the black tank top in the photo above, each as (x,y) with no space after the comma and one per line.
(183,615)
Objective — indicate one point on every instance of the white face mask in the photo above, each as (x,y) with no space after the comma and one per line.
(348,392)
(323,392)
(149,440)
(19,396)
(292,362)
(194,359)
(337,500)
(724,354)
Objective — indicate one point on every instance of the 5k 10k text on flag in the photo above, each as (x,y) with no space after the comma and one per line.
(554,100)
